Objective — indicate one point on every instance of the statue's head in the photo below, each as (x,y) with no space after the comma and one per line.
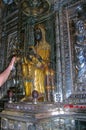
(39,32)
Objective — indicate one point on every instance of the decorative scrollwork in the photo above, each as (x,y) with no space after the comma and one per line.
(35,7)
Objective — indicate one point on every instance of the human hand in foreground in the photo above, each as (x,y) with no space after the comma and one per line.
(13,61)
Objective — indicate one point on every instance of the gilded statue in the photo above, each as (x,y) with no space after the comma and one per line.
(35,67)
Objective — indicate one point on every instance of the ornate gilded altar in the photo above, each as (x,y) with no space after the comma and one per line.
(48,81)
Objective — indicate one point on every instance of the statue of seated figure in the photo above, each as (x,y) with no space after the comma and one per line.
(36,65)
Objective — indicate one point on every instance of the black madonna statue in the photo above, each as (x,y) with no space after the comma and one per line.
(80,44)
(36,69)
